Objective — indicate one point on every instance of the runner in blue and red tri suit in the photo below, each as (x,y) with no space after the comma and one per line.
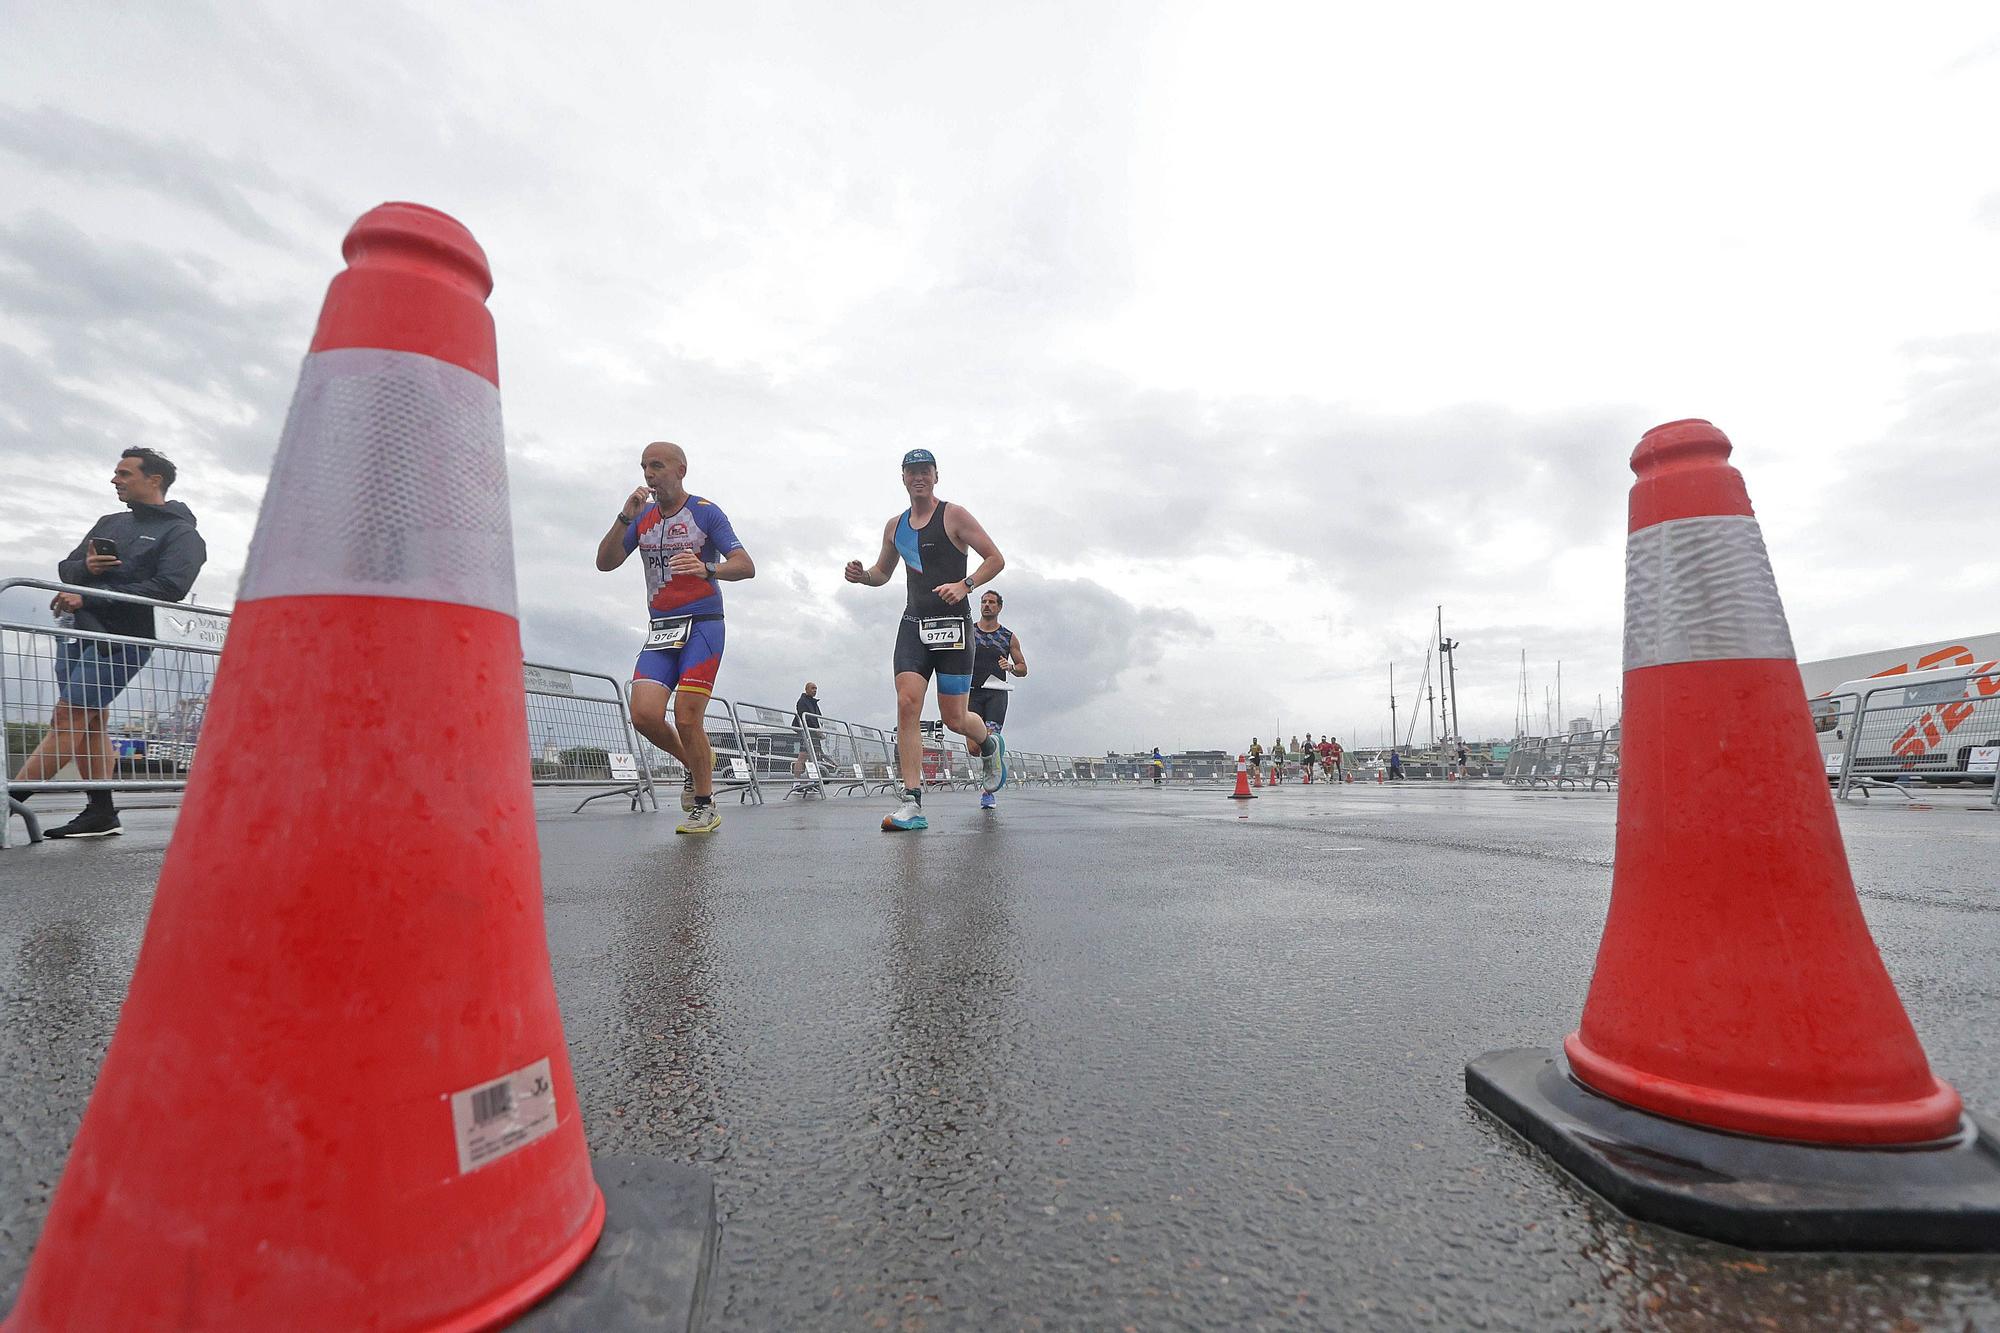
(688,548)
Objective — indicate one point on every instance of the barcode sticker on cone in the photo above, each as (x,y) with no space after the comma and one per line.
(493,1119)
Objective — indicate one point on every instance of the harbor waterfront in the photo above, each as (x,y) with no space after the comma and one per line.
(1116,1057)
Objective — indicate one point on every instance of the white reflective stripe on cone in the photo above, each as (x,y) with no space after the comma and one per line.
(1701,590)
(390,481)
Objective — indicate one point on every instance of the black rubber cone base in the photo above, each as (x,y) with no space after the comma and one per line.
(650,1267)
(1761,1194)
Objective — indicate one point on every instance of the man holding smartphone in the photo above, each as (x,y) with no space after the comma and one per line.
(149,549)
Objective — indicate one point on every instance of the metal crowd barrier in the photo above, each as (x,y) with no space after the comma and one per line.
(579,733)
(584,737)
(1581,760)
(1938,733)
(870,766)
(780,753)
(732,769)
(1139,768)
(150,727)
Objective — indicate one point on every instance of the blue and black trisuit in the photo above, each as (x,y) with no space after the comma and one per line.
(931,559)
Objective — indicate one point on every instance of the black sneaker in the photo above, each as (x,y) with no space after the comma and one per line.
(89,824)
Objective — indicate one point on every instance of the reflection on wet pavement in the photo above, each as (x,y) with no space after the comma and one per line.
(1121,1059)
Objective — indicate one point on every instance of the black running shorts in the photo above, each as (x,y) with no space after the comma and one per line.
(953,668)
(991,705)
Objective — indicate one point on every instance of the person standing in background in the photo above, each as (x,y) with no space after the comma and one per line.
(149,549)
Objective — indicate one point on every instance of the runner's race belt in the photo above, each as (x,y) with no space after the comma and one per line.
(942,634)
(672,631)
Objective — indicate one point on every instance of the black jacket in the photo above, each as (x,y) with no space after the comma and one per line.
(160,555)
(806,706)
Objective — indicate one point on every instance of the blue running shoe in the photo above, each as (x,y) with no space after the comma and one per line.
(993,762)
(986,801)
(907,818)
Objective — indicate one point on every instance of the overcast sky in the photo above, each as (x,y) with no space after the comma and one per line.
(1251,333)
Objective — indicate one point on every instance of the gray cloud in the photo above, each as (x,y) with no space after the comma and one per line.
(63,143)
(799,244)
(127,327)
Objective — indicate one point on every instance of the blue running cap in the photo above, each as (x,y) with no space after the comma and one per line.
(919,458)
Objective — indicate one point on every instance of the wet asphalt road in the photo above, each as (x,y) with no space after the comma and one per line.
(1105,1060)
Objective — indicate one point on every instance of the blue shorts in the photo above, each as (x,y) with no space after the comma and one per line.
(691,667)
(90,674)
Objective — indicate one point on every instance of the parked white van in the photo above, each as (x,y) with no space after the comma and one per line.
(1939,725)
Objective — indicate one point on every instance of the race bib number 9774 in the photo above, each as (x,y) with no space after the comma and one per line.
(941,635)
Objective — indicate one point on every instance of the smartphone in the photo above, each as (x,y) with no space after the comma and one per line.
(104,546)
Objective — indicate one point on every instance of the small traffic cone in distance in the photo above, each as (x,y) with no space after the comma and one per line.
(1744,1068)
(1242,792)
(339,1094)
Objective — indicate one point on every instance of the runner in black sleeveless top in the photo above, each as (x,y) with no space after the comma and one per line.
(931,560)
(996,656)
(931,538)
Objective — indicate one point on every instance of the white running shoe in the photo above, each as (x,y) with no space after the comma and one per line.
(908,817)
(993,766)
(701,819)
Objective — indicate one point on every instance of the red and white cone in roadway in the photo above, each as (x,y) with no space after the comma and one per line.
(1744,1069)
(1242,792)
(339,1094)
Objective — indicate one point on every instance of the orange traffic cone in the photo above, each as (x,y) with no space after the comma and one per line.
(339,1095)
(1738,992)
(1242,792)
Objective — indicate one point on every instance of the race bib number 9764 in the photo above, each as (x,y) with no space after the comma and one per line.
(669,632)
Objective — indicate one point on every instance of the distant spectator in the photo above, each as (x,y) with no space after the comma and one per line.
(1395,765)
(149,549)
(805,715)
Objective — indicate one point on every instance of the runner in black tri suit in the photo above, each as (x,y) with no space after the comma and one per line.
(996,655)
(931,538)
